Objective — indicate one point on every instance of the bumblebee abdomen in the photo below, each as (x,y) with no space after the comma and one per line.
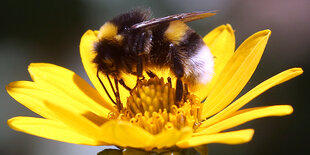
(198,61)
(176,32)
(199,68)
(181,44)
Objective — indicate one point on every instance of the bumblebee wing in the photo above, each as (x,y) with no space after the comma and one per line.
(184,17)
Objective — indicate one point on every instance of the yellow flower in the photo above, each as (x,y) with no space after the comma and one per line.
(75,112)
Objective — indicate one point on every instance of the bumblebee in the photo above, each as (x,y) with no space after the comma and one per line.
(133,42)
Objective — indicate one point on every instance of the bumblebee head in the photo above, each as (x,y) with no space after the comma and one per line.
(107,55)
(113,38)
(108,48)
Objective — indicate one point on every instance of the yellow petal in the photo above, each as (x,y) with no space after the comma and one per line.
(50,129)
(221,42)
(76,121)
(87,55)
(170,137)
(125,134)
(238,71)
(33,97)
(63,82)
(236,105)
(233,137)
(246,115)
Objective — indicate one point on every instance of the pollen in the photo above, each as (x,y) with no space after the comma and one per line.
(152,106)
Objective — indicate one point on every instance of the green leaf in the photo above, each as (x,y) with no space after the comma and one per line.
(202,149)
(129,151)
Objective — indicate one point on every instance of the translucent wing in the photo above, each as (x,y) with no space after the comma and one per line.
(184,17)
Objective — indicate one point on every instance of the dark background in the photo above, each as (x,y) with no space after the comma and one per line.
(50,31)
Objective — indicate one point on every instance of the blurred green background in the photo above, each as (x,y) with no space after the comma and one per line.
(50,31)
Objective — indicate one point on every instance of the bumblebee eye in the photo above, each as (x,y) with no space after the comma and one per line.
(126,29)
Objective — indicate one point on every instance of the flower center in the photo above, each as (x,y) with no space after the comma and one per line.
(152,106)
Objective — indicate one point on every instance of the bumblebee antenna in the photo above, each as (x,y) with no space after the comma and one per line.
(105,89)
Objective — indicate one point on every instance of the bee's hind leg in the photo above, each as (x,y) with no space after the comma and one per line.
(178,70)
(185,93)
(179,90)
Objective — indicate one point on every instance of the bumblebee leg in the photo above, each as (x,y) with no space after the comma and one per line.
(142,47)
(178,70)
(117,96)
(111,85)
(185,92)
(169,81)
(139,71)
(151,74)
(139,67)
(179,90)
(170,85)
(105,89)
(122,82)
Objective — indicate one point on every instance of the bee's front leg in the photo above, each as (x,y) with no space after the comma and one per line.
(142,47)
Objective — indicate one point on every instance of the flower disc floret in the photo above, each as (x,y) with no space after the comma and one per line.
(152,106)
